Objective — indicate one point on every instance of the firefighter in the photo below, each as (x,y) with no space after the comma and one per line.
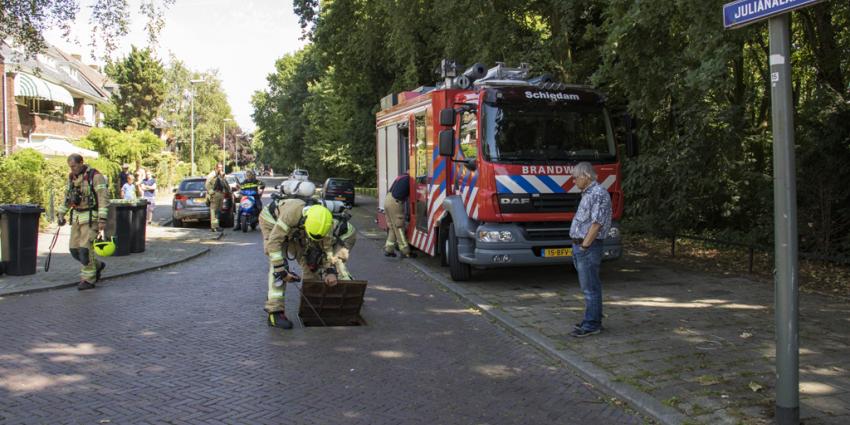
(217,189)
(289,227)
(394,209)
(87,201)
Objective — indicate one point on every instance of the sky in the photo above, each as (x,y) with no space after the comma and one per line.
(242,39)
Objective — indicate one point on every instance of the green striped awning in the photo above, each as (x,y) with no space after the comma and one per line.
(30,86)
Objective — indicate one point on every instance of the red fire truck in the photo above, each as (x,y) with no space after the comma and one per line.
(489,153)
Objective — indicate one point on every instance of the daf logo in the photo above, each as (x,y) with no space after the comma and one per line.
(515,201)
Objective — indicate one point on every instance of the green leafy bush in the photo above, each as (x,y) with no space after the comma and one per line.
(21,178)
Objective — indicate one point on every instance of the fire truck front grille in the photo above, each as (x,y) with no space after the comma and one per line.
(546,231)
(556,202)
(539,203)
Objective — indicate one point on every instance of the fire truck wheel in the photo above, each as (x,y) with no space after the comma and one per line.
(459,271)
(444,247)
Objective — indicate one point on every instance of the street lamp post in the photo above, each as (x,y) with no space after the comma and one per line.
(236,147)
(192,83)
(223,148)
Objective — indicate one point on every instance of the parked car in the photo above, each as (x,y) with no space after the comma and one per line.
(338,189)
(190,204)
(240,176)
(300,174)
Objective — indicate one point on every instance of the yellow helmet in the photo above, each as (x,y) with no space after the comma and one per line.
(318,222)
(104,248)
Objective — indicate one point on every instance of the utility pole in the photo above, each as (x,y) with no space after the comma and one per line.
(223,148)
(785,224)
(786,274)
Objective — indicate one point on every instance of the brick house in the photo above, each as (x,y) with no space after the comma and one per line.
(49,98)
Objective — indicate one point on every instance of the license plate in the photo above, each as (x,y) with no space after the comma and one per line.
(558,252)
(200,200)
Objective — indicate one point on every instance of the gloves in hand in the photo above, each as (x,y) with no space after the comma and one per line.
(61,220)
(283,277)
(331,280)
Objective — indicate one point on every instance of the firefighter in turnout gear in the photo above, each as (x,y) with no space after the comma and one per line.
(87,203)
(217,189)
(394,209)
(293,231)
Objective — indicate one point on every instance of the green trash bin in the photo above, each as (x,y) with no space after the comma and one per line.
(139,226)
(19,238)
(119,224)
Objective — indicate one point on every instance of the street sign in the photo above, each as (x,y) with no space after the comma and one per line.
(744,12)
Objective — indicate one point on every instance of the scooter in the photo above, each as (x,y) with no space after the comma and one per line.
(249,211)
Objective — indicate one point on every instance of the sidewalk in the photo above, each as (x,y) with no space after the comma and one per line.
(696,345)
(165,246)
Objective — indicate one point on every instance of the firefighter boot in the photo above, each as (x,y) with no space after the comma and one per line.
(100,266)
(278,320)
(84,285)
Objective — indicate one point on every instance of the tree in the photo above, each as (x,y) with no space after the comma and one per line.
(279,110)
(26,21)
(122,147)
(141,90)
(700,93)
(211,108)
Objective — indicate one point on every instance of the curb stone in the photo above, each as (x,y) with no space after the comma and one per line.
(641,401)
(129,273)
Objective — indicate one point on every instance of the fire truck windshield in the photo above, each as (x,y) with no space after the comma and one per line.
(546,133)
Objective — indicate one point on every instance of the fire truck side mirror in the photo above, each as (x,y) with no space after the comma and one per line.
(447,117)
(447,142)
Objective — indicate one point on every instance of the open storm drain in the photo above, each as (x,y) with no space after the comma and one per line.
(339,305)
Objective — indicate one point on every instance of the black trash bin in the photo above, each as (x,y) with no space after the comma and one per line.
(119,225)
(139,228)
(19,238)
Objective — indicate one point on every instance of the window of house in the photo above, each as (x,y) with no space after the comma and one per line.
(71,71)
(48,61)
(88,114)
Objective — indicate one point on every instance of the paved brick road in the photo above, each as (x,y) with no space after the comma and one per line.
(188,344)
(696,342)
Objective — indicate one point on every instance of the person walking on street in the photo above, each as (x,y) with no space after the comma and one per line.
(128,190)
(289,227)
(591,223)
(148,187)
(87,200)
(394,204)
(217,189)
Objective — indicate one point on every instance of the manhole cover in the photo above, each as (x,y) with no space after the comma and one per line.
(338,305)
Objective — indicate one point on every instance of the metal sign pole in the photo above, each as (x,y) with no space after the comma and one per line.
(785,223)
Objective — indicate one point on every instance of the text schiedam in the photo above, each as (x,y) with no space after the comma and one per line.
(545,95)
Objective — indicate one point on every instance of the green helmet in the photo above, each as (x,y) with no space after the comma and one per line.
(318,222)
(104,248)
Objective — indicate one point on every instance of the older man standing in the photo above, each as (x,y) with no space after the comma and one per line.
(589,227)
